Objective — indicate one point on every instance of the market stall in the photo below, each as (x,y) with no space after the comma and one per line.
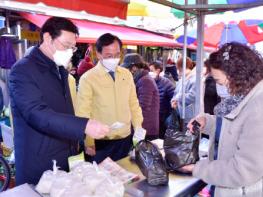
(125,170)
(179,184)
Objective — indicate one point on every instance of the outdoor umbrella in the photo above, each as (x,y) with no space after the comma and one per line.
(137,9)
(252,29)
(200,12)
(199,60)
(180,14)
(146,8)
(246,32)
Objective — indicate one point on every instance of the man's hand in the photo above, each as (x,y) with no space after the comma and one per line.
(174,104)
(96,130)
(187,168)
(90,150)
(139,134)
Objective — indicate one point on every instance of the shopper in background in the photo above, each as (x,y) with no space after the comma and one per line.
(147,93)
(170,68)
(166,91)
(85,64)
(211,98)
(190,78)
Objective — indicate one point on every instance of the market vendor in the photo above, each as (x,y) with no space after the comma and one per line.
(45,127)
(235,163)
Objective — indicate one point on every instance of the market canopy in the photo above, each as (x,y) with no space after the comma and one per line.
(209,7)
(90,31)
(109,8)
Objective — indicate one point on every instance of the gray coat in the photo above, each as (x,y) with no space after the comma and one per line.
(189,96)
(239,168)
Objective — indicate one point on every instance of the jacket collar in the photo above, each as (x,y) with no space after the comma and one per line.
(41,58)
(43,61)
(254,92)
(139,74)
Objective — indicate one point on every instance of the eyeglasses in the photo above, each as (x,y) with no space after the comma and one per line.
(74,48)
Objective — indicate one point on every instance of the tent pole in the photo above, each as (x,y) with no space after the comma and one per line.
(200,60)
(184,66)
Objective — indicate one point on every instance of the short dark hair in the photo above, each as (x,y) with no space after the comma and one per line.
(157,65)
(242,66)
(105,40)
(55,25)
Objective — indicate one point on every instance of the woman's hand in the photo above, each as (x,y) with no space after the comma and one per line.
(201,119)
(173,104)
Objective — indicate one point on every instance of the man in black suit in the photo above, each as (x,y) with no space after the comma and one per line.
(45,127)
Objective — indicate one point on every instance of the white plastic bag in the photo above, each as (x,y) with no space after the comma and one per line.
(62,183)
(84,180)
(117,125)
(82,168)
(110,187)
(47,179)
(78,189)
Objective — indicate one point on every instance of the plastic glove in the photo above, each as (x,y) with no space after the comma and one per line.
(139,134)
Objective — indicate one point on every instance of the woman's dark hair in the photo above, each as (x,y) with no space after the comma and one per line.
(242,66)
(105,40)
(189,63)
(157,65)
(55,25)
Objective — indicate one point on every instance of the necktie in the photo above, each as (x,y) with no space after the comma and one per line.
(112,74)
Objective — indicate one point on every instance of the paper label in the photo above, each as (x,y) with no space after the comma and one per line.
(74,160)
(117,125)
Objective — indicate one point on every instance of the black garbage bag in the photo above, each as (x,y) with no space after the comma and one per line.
(151,163)
(173,121)
(181,148)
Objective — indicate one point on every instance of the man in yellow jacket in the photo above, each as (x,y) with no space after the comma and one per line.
(107,93)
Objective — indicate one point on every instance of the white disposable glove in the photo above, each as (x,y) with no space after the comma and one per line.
(139,134)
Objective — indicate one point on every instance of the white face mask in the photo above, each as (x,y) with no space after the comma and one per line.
(152,74)
(110,63)
(222,91)
(62,58)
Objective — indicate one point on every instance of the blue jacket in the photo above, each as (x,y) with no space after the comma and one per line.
(166,91)
(148,97)
(45,127)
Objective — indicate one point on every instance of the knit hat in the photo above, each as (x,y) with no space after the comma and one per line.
(84,65)
(131,59)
